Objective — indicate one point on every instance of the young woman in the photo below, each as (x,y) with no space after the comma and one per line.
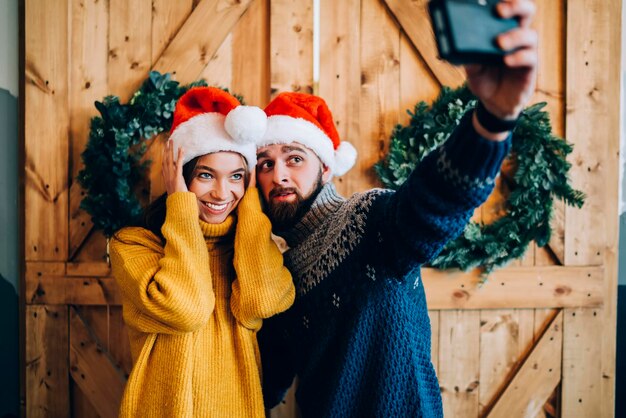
(198,278)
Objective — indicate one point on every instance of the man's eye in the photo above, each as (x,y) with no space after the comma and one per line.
(264,165)
(296,159)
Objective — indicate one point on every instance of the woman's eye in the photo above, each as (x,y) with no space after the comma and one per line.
(237,176)
(205,176)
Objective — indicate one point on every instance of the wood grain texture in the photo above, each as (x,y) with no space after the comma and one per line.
(414,19)
(434,317)
(291,46)
(500,350)
(459,365)
(416,80)
(167,19)
(130,40)
(340,72)
(537,378)
(219,69)
(46,129)
(592,124)
(93,370)
(199,38)
(515,287)
(47,373)
(380,92)
(251,54)
(582,363)
(88,82)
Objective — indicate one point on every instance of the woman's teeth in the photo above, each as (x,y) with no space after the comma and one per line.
(215,206)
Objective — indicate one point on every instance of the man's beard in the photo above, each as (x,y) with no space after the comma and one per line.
(285,215)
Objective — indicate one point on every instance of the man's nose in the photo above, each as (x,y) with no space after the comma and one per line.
(281,174)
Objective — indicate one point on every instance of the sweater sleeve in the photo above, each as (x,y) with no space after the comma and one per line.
(277,360)
(263,286)
(437,200)
(165,289)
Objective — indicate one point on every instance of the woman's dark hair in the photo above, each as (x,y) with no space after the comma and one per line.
(154,214)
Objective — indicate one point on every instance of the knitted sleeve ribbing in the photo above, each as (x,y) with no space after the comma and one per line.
(165,290)
(263,286)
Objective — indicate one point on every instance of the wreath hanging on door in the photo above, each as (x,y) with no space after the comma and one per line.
(536,172)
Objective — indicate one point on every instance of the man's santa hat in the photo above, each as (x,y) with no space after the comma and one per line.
(208,119)
(306,119)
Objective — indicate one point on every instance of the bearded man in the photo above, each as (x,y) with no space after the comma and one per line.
(358,334)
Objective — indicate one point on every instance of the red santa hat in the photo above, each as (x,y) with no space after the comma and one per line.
(306,119)
(208,119)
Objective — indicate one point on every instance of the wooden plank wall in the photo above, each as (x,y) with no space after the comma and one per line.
(376,60)
(593,125)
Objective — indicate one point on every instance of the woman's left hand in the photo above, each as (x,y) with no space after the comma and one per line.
(173,169)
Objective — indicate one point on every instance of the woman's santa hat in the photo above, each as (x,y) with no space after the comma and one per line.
(306,119)
(208,119)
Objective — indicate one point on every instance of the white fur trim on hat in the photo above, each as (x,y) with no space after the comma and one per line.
(246,124)
(283,129)
(204,134)
(345,157)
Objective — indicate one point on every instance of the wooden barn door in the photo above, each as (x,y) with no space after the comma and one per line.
(536,340)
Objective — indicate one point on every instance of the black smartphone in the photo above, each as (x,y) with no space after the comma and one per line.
(465,30)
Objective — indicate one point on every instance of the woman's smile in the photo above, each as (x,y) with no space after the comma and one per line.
(216,208)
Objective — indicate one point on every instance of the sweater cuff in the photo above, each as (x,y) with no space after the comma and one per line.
(251,200)
(182,207)
(468,157)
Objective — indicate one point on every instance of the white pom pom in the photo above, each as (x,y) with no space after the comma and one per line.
(345,157)
(246,124)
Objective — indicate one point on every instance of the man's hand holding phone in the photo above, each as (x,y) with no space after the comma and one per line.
(503,80)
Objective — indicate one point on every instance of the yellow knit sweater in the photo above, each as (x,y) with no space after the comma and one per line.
(193,309)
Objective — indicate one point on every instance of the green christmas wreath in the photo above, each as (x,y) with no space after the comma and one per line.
(541,174)
(117,142)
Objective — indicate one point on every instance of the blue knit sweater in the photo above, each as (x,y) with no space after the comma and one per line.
(358,335)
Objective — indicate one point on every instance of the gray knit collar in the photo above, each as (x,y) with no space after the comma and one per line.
(325,204)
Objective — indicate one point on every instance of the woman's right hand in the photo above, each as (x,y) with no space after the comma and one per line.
(173,169)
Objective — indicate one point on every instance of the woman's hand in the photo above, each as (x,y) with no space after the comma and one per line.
(173,169)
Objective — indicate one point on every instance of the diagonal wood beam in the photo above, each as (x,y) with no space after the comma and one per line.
(414,20)
(535,381)
(199,37)
(80,224)
(93,370)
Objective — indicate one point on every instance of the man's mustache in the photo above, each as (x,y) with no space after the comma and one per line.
(282,190)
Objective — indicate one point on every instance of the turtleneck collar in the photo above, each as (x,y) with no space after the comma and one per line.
(326,203)
(215,233)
